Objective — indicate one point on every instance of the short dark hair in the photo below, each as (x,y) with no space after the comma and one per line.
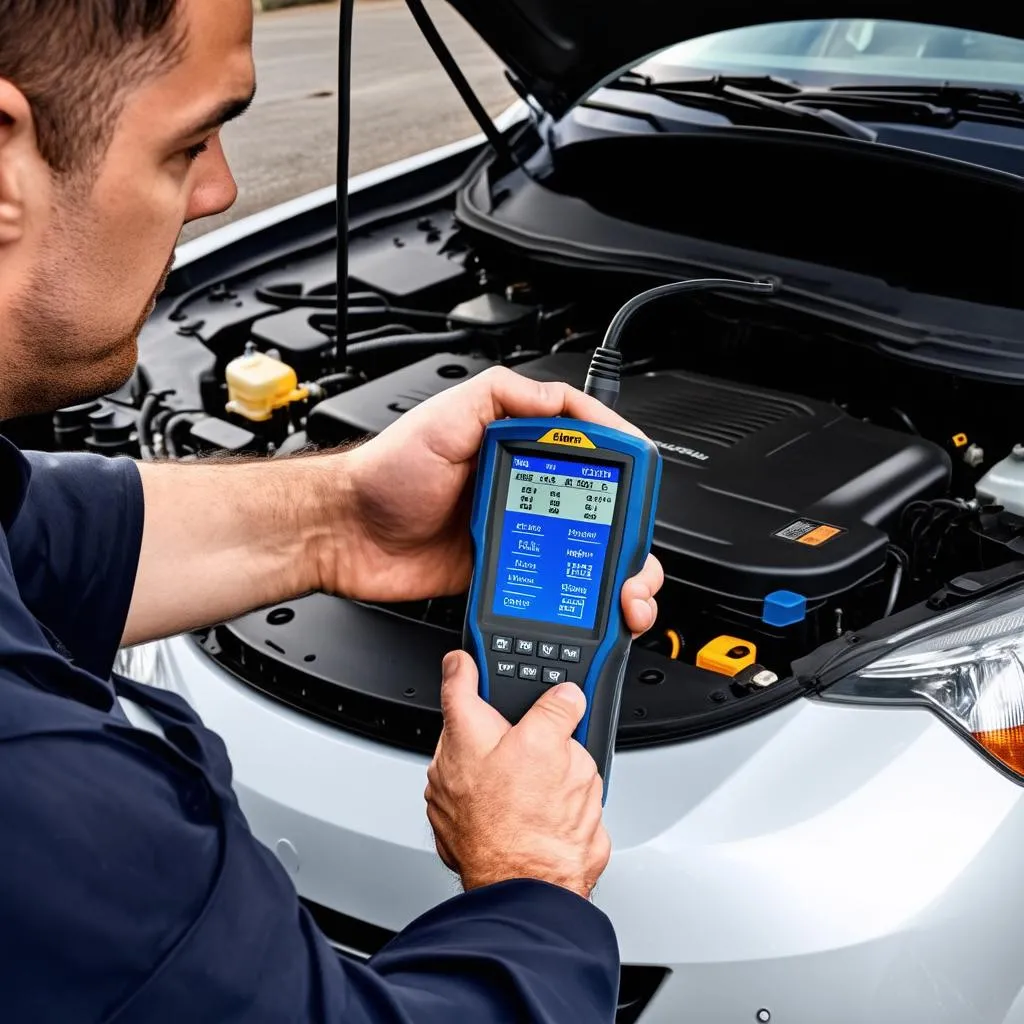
(75,59)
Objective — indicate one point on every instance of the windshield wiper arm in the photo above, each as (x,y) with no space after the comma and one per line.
(736,98)
(965,96)
(711,84)
(842,125)
(939,105)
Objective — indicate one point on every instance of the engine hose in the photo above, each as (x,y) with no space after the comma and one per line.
(295,300)
(326,323)
(441,341)
(151,404)
(406,311)
(422,314)
(387,331)
(418,314)
(335,383)
(360,304)
(894,589)
(174,423)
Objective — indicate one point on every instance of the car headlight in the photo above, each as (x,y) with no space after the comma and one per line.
(146,664)
(967,665)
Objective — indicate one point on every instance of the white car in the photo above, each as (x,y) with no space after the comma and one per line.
(843,495)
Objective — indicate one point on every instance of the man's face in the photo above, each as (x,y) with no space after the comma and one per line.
(83,275)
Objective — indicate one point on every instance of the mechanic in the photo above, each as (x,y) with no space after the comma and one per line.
(131,888)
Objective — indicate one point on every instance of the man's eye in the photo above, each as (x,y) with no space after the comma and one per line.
(195,152)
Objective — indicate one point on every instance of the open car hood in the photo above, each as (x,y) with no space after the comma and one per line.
(561,49)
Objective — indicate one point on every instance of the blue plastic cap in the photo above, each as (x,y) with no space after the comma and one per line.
(784,608)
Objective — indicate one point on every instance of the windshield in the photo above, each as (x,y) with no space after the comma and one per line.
(850,51)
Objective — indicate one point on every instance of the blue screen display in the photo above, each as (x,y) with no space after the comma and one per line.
(554,540)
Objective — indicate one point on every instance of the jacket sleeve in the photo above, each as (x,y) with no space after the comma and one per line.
(75,546)
(128,898)
(518,951)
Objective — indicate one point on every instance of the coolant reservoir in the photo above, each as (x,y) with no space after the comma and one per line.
(1003,484)
(258,384)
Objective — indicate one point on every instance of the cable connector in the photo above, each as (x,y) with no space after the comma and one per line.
(604,377)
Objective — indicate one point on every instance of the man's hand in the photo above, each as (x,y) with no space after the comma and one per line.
(411,494)
(515,802)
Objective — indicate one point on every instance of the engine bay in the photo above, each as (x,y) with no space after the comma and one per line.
(812,483)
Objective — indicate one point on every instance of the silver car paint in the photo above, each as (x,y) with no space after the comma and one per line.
(827,863)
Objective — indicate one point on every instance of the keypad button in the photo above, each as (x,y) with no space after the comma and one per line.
(554,675)
(524,647)
(548,651)
(570,653)
(503,644)
(529,671)
(506,668)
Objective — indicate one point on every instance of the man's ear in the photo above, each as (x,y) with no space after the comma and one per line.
(19,160)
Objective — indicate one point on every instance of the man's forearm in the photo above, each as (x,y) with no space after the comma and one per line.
(221,539)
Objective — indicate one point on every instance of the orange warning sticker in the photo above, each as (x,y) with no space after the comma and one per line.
(818,535)
(809,532)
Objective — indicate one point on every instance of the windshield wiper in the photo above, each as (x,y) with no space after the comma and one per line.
(744,101)
(939,106)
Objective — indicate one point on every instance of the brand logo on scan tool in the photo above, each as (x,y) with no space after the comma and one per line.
(678,449)
(572,438)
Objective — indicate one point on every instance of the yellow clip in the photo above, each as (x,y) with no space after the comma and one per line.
(677,643)
(570,438)
(959,440)
(726,655)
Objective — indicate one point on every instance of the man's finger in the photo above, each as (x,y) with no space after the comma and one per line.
(638,604)
(639,613)
(652,574)
(555,714)
(507,393)
(467,717)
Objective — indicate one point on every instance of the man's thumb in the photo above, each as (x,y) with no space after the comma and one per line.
(558,711)
(466,714)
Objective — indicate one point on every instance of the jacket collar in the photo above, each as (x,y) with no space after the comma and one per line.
(14,478)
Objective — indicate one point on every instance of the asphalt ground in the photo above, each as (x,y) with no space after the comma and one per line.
(402,101)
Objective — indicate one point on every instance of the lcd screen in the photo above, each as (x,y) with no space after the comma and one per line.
(555,533)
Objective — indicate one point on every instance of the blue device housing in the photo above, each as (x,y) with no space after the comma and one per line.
(602,652)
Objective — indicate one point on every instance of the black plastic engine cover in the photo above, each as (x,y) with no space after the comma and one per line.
(763,491)
(371,407)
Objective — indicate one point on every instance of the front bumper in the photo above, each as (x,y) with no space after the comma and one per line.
(821,863)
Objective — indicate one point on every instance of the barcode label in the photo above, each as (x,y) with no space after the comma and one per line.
(796,530)
(808,532)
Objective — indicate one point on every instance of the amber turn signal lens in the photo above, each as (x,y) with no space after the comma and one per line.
(1007,745)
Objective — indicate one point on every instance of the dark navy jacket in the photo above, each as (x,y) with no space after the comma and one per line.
(131,889)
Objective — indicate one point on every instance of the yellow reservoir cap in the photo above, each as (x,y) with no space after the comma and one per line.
(727,655)
(258,384)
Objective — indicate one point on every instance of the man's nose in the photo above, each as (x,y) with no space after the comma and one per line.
(215,190)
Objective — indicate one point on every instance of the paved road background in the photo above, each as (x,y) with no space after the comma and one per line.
(402,102)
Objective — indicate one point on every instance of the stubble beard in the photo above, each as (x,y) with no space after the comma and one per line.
(59,362)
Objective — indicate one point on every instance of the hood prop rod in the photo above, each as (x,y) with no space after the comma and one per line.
(461,83)
(344,142)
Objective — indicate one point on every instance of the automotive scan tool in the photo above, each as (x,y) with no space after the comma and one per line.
(563,516)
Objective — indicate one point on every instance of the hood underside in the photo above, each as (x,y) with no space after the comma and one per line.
(561,49)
